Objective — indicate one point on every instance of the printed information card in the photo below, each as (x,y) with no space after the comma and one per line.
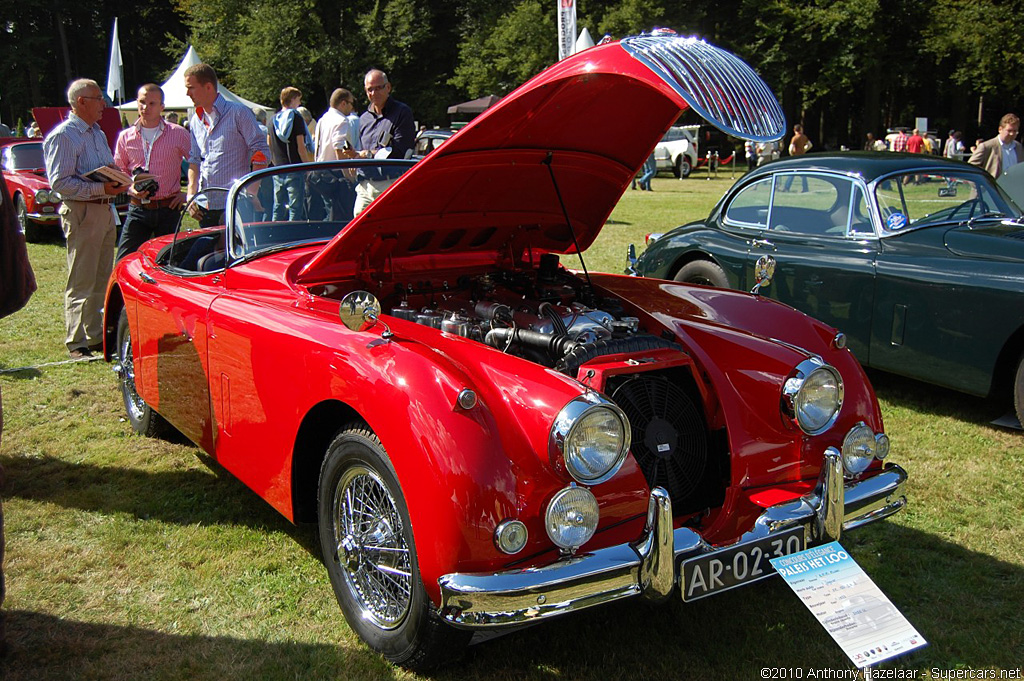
(851,607)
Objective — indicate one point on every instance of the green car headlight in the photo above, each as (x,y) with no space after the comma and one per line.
(589,438)
(812,396)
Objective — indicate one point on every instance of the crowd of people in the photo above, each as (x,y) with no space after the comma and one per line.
(221,142)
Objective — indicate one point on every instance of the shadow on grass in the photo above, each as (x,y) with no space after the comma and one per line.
(187,497)
(938,401)
(44,647)
(21,373)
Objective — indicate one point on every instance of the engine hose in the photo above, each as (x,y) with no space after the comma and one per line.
(556,319)
(554,346)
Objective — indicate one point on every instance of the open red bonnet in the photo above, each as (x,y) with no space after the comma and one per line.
(578,131)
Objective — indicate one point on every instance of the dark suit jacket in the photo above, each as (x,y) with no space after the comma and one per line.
(989,156)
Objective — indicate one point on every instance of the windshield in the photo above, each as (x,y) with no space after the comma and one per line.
(292,205)
(913,200)
(26,157)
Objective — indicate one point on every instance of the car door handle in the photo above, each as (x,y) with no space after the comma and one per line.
(146,278)
(763,243)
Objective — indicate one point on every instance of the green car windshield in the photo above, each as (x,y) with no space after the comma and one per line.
(910,200)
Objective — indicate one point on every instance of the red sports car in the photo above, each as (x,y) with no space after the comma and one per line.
(485,437)
(25,174)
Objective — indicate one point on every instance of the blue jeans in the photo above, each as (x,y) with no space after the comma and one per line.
(142,224)
(290,197)
(650,170)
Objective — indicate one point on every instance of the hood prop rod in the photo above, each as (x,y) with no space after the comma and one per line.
(568,222)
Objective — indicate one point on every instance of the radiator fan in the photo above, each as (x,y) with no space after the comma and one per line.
(670,439)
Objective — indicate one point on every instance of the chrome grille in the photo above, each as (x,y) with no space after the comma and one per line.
(717,84)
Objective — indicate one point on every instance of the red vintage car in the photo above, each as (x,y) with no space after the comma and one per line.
(25,174)
(485,437)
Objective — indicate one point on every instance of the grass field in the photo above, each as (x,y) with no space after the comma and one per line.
(132,558)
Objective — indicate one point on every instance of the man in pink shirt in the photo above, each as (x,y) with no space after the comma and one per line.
(157,147)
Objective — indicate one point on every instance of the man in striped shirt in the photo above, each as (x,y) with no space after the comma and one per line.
(226,144)
(154,146)
(75,147)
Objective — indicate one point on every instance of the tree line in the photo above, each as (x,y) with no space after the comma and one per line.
(841,67)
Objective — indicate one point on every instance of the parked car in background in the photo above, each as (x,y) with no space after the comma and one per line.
(677,150)
(918,260)
(25,174)
(428,140)
(484,437)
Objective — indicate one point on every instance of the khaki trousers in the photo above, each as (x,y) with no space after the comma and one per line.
(367,191)
(91,238)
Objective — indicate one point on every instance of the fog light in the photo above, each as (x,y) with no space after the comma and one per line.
(858,449)
(510,536)
(571,518)
(881,446)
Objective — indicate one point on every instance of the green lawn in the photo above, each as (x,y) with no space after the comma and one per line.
(131,558)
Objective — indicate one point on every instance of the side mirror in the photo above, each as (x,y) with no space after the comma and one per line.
(764,270)
(631,261)
(359,310)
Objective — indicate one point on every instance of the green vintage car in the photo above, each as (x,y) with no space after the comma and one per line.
(918,260)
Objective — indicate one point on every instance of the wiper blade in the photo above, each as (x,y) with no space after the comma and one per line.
(991,215)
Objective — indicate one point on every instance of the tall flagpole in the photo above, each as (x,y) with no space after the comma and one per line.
(115,71)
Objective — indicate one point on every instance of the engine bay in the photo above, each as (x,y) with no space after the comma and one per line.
(546,315)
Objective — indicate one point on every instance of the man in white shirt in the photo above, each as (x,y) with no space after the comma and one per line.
(332,132)
(335,133)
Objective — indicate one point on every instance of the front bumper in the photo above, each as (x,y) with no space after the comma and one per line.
(43,217)
(648,566)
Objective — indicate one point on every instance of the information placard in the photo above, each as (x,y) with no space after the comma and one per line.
(851,607)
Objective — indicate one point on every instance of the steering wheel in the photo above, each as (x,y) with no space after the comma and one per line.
(970,205)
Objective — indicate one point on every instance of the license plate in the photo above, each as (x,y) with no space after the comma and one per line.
(737,565)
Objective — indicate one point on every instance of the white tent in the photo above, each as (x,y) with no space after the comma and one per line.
(175,98)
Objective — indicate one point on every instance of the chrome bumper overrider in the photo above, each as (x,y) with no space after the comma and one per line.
(648,566)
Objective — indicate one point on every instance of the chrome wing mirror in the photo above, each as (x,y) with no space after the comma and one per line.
(360,310)
(631,261)
(764,270)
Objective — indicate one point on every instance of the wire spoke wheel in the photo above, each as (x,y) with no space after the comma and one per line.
(371,547)
(133,403)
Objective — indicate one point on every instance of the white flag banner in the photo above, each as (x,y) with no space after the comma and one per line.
(115,78)
(566,27)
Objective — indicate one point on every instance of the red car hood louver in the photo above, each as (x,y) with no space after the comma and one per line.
(588,123)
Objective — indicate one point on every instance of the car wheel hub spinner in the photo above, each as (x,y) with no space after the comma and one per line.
(372,551)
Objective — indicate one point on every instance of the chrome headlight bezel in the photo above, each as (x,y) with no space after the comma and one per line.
(566,429)
(511,536)
(42,196)
(796,392)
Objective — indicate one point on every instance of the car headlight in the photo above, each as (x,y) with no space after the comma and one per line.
(813,395)
(860,446)
(589,438)
(42,196)
(571,518)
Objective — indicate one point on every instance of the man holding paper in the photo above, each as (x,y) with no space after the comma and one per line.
(72,149)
